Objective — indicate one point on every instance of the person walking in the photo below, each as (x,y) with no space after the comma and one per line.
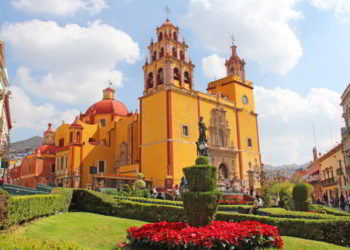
(342,202)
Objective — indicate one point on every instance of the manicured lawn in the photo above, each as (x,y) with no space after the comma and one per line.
(88,230)
(93,231)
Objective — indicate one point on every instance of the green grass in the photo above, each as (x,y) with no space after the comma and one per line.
(93,231)
(291,243)
(88,230)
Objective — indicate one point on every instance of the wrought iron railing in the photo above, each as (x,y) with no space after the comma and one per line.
(329,182)
(339,171)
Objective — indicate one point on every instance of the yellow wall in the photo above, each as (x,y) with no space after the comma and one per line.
(184,110)
(154,159)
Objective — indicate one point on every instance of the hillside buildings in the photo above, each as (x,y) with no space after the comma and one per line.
(108,145)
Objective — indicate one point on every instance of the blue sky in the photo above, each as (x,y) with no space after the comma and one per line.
(61,54)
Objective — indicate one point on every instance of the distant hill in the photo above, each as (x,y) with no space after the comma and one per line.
(27,144)
(291,167)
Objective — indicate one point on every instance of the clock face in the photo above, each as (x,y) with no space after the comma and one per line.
(245,99)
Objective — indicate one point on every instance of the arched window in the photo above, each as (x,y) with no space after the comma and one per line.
(223,171)
(222,138)
(160,37)
(187,78)
(154,57)
(150,81)
(175,36)
(176,74)
(161,53)
(160,77)
(182,55)
(174,52)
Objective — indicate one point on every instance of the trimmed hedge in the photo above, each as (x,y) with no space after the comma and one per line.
(25,208)
(67,193)
(94,202)
(3,207)
(283,213)
(13,242)
(201,178)
(333,230)
(328,210)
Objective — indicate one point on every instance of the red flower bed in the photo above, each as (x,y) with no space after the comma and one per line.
(225,202)
(218,235)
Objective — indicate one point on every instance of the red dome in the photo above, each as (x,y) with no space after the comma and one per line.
(108,106)
(46,149)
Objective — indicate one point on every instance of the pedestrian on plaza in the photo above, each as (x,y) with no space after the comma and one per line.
(342,202)
(258,203)
(177,196)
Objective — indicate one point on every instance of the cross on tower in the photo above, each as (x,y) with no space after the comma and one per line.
(110,83)
(168,12)
(233,39)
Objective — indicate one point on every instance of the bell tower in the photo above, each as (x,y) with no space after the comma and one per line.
(235,65)
(168,64)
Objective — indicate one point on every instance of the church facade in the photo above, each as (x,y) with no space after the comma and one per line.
(108,145)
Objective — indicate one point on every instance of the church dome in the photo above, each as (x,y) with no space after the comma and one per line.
(46,149)
(108,106)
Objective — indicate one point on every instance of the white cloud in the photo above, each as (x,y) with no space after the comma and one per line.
(214,66)
(285,120)
(59,7)
(72,63)
(341,8)
(25,114)
(263,29)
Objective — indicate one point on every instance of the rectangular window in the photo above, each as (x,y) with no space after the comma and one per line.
(250,143)
(62,162)
(103,122)
(101,166)
(53,168)
(61,142)
(58,163)
(66,161)
(93,170)
(184,131)
(70,137)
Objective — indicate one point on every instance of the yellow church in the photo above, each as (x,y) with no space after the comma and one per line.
(108,145)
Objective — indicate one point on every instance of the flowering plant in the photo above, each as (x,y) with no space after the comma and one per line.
(226,202)
(217,235)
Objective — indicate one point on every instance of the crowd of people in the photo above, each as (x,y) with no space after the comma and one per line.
(336,201)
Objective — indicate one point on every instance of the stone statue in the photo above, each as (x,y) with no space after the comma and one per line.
(202,144)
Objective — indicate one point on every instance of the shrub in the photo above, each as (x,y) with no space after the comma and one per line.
(126,188)
(300,197)
(142,193)
(90,201)
(3,192)
(328,210)
(283,213)
(202,160)
(202,201)
(333,230)
(25,208)
(200,207)
(3,208)
(67,193)
(139,184)
(286,199)
(218,235)
(201,178)
(15,242)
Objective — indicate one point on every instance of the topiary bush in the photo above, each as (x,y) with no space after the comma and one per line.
(201,178)
(202,201)
(202,160)
(300,197)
